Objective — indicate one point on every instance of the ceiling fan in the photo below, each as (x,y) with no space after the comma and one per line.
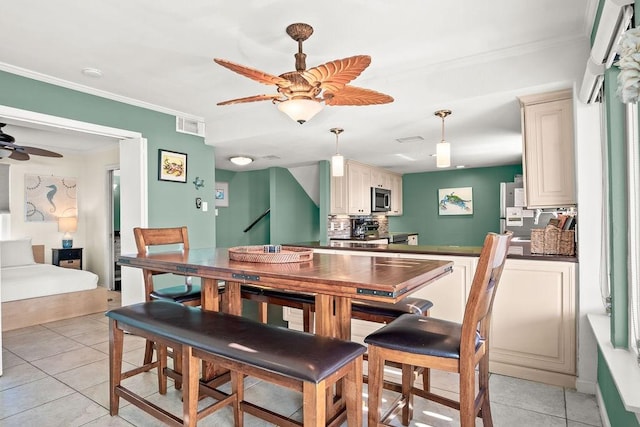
(302,92)
(8,148)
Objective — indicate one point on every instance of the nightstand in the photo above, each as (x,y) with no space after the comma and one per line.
(67,258)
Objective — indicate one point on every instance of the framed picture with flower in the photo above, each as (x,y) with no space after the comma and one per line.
(172,166)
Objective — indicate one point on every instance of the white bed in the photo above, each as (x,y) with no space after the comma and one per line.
(33,292)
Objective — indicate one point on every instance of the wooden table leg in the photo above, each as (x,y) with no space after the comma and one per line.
(325,320)
(210,300)
(232,302)
(343,318)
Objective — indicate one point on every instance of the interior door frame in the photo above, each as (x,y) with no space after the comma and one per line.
(132,159)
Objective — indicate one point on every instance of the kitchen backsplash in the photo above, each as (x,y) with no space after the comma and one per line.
(342,225)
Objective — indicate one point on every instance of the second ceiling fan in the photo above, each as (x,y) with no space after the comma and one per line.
(9,149)
(302,92)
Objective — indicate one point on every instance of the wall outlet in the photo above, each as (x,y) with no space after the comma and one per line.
(332,226)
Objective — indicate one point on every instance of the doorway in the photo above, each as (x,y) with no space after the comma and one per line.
(114,229)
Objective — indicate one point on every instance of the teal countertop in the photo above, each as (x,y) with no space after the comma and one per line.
(517,250)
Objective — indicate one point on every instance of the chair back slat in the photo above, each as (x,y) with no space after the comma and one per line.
(483,289)
(146,237)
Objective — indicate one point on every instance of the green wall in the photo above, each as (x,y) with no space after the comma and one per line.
(420,205)
(248,199)
(294,216)
(170,203)
(618,416)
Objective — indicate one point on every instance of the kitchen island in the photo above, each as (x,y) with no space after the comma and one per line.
(533,324)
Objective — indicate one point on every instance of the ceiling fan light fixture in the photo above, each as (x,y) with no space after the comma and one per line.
(443,148)
(337,160)
(240,160)
(300,110)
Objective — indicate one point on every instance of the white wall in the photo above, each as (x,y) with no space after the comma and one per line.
(90,171)
(589,178)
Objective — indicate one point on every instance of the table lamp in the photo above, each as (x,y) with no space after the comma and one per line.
(67,225)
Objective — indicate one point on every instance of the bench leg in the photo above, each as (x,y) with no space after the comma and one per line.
(407,384)
(237,388)
(191,382)
(314,404)
(161,350)
(116,342)
(375,374)
(353,391)
(148,352)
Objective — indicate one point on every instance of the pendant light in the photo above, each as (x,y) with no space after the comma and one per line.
(337,161)
(443,149)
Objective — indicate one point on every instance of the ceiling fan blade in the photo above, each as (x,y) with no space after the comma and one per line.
(257,75)
(351,95)
(39,152)
(334,75)
(251,99)
(19,155)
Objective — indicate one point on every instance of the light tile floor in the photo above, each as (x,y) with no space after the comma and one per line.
(56,374)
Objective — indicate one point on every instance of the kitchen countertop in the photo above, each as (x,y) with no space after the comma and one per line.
(517,250)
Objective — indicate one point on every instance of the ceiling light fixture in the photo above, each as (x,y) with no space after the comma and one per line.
(443,149)
(300,110)
(92,72)
(337,161)
(240,160)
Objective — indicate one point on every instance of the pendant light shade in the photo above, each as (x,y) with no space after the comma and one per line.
(300,110)
(337,161)
(443,149)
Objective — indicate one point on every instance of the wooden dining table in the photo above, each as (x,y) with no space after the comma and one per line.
(334,279)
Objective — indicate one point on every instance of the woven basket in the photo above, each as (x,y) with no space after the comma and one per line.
(256,254)
(552,241)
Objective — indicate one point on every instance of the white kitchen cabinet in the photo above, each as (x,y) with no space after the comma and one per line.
(351,193)
(412,240)
(358,189)
(548,149)
(533,328)
(380,178)
(396,194)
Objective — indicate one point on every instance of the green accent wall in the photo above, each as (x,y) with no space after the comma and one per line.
(420,205)
(618,416)
(170,203)
(294,216)
(618,208)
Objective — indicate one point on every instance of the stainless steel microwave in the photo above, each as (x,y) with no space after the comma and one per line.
(380,200)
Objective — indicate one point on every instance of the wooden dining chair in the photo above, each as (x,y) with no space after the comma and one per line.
(416,341)
(183,293)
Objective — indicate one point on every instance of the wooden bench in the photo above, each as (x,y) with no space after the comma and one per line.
(304,362)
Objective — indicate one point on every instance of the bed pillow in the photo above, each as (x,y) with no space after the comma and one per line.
(16,252)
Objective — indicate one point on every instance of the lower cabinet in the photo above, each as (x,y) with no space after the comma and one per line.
(533,328)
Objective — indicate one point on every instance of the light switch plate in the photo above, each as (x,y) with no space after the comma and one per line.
(205,206)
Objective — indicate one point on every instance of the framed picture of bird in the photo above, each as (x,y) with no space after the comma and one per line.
(49,197)
(455,201)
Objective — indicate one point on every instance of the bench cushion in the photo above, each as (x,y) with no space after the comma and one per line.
(294,354)
(420,335)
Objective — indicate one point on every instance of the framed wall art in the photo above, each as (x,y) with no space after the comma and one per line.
(48,197)
(222,194)
(455,201)
(172,166)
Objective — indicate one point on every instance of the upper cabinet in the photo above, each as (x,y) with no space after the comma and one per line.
(351,193)
(548,154)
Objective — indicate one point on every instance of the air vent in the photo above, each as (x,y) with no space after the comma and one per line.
(410,139)
(190,126)
(271,157)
